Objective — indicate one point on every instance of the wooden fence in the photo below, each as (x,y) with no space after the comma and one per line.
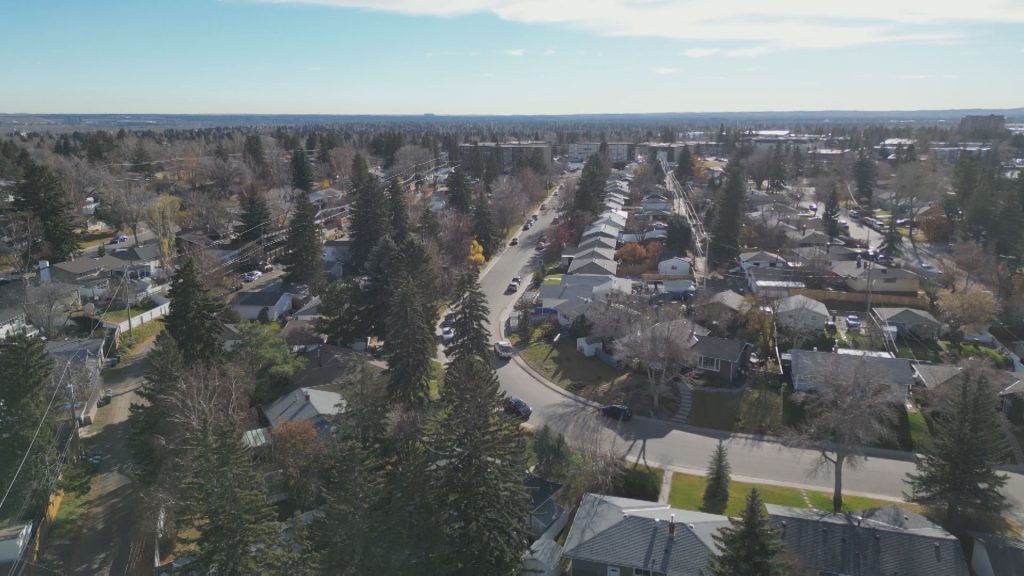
(916,301)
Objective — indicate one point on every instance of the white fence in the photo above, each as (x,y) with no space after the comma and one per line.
(164,306)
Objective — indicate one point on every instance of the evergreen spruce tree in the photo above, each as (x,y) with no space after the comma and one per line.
(25,368)
(471,337)
(227,503)
(410,344)
(252,153)
(750,545)
(303,257)
(166,366)
(589,196)
(459,194)
(865,175)
(194,319)
(369,213)
(41,193)
(684,165)
(302,174)
(679,235)
(716,490)
(483,226)
(398,210)
(477,459)
(956,472)
(429,226)
(255,217)
(725,237)
(382,273)
(830,216)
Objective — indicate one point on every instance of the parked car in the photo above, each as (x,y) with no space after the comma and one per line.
(527,225)
(930,268)
(512,288)
(514,241)
(617,411)
(535,217)
(812,207)
(449,319)
(844,224)
(447,333)
(268,268)
(541,246)
(516,407)
(855,214)
(556,220)
(518,280)
(544,206)
(252,275)
(504,349)
(119,239)
(853,322)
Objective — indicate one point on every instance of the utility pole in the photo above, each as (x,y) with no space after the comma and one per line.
(128,303)
(869,266)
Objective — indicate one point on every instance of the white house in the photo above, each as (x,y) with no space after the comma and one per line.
(274,298)
(762,259)
(674,267)
(801,314)
(14,539)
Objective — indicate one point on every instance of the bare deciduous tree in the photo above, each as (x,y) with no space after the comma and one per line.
(47,306)
(661,346)
(850,408)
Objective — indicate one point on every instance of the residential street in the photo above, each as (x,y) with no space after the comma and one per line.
(663,444)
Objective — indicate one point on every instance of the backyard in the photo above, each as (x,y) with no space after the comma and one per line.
(688,490)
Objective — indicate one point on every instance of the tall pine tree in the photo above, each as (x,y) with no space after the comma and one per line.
(865,175)
(830,216)
(684,165)
(398,209)
(369,213)
(477,464)
(459,194)
(303,257)
(148,421)
(483,225)
(716,490)
(302,174)
(255,218)
(410,344)
(227,503)
(25,370)
(725,237)
(194,319)
(956,472)
(41,193)
(471,334)
(750,545)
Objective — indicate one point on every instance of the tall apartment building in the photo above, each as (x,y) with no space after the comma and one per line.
(618,152)
(982,126)
(509,154)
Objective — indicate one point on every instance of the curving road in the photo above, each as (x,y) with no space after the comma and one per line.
(657,441)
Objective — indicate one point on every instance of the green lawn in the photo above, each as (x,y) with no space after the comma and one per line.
(919,432)
(436,378)
(553,279)
(141,335)
(749,412)
(70,513)
(688,491)
(912,349)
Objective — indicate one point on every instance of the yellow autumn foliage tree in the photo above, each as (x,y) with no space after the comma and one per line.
(476,254)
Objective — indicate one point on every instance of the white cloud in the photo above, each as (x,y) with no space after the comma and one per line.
(550,52)
(758,26)
(664,71)
(515,51)
(701,52)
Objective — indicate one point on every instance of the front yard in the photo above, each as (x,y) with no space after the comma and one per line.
(590,378)
(750,411)
(688,491)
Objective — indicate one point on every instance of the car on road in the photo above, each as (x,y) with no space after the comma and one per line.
(517,407)
(514,241)
(119,239)
(544,206)
(535,217)
(449,319)
(518,280)
(527,225)
(447,333)
(617,411)
(504,349)
(252,275)
(812,207)
(541,246)
(853,322)
(855,214)
(268,268)
(930,268)
(512,288)
(844,224)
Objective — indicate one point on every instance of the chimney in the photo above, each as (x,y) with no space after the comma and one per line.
(44,271)
(672,525)
(305,394)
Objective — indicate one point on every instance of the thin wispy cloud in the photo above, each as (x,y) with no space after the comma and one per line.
(550,52)
(701,52)
(763,26)
(664,71)
(950,76)
(515,51)
(914,77)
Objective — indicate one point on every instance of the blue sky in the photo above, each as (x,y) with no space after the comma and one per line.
(507,56)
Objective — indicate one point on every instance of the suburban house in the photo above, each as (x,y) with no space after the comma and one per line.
(761,259)
(883,280)
(722,308)
(595,252)
(624,537)
(674,267)
(274,298)
(12,309)
(575,293)
(801,314)
(723,359)
(876,541)
(807,238)
(593,265)
(597,242)
(656,203)
(611,218)
(84,270)
(301,335)
(601,231)
(336,255)
(799,256)
(319,405)
(141,260)
(933,377)
(997,555)
(813,370)
(910,322)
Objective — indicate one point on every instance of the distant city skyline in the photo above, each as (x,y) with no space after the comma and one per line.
(507,57)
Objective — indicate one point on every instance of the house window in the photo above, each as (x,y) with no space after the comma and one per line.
(890,280)
(708,363)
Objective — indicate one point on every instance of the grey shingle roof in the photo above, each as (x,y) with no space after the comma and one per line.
(721,348)
(812,370)
(1005,555)
(874,542)
(905,315)
(635,533)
